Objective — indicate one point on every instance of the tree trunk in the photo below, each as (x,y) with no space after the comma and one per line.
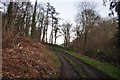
(10,17)
(43,38)
(118,33)
(33,28)
(51,35)
(85,40)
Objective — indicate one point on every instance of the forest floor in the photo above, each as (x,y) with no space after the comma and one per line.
(27,59)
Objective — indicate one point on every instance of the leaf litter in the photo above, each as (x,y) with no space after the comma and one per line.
(27,59)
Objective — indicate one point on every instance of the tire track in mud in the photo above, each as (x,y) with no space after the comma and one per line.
(93,73)
(67,71)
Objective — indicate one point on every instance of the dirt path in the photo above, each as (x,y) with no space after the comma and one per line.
(93,73)
(69,72)
(66,68)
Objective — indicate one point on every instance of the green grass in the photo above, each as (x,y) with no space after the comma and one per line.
(56,62)
(55,59)
(77,67)
(112,71)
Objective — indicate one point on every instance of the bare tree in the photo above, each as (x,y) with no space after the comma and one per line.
(55,26)
(56,29)
(46,23)
(65,31)
(87,18)
(39,21)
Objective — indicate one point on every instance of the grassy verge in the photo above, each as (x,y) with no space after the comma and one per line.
(77,67)
(110,70)
(57,64)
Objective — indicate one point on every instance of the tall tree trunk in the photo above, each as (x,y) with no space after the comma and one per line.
(23,30)
(118,32)
(33,28)
(55,36)
(41,28)
(46,26)
(85,40)
(51,35)
(10,17)
(27,26)
(43,37)
(118,29)
(56,30)
(22,25)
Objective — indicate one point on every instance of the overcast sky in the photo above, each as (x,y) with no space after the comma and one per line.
(68,9)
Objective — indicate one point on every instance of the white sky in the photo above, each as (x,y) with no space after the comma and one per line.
(68,10)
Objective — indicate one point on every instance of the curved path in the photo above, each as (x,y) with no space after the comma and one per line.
(67,71)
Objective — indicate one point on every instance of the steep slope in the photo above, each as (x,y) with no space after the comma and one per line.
(27,60)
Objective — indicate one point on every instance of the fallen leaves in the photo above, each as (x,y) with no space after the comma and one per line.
(27,60)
